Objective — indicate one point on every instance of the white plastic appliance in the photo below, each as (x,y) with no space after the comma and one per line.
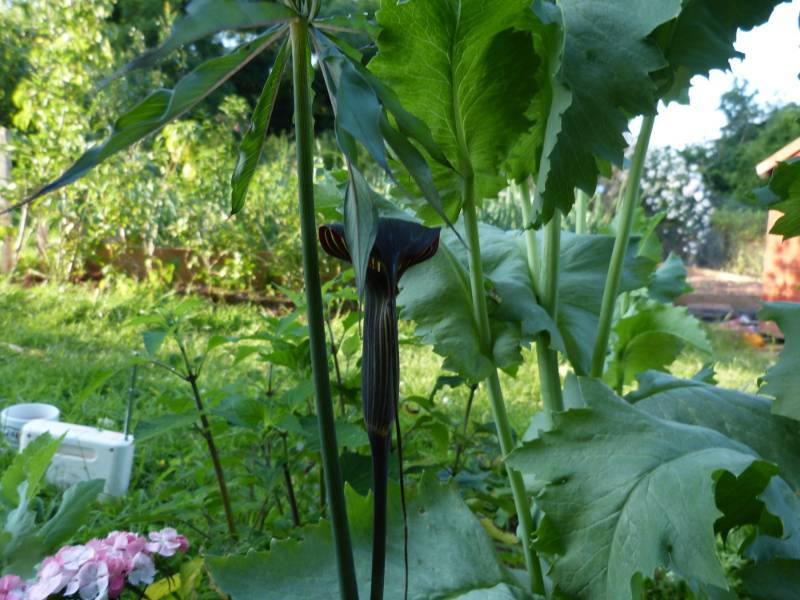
(86,453)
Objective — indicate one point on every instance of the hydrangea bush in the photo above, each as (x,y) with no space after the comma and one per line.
(97,570)
(671,185)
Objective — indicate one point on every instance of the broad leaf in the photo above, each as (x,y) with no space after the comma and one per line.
(463,82)
(784,196)
(161,107)
(669,281)
(76,504)
(778,580)
(583,265)
(783,379)
(605,67)
(702,38)
(207,17)
(253,140)
(743,417)
(450,554)
(651,485)
(153,340)
(649,336)
(436,295)
(28,467)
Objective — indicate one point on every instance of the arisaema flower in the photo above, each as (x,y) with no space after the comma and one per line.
(398,245)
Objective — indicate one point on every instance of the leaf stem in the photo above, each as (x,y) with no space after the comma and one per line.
(481,315)
(547,357)
(614,277)
(464,425)
(530,236)
(348,585)
(581,202)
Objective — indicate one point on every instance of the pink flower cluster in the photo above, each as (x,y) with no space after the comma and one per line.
(98,569)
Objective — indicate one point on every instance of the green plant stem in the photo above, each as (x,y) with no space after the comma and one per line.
(212,450)
(581,202)
(460,447)
(552,400)
(348,585)
(614,277)
(493,381)
(530,235)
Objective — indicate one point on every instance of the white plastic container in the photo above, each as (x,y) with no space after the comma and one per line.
(14,417)
(86,453)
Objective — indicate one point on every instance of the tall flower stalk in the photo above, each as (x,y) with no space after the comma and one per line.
(348,585)
(398,245)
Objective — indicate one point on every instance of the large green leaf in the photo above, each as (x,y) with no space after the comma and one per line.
(253,141)
(783,379)
(455,64)
(783,194)
(745,418)
(778,580)
(605,68)
(583,265)
(702,37)
(28,467)
(76,504)
(649,336)
(436,295)
(450,555)
(669,281)
(159,108)
(207,17)
(627,492)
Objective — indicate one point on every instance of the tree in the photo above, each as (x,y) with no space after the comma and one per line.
(751,134)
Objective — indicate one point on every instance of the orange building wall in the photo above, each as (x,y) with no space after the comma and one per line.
(781,279)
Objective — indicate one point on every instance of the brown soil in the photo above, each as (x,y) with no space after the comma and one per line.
(707,281)
(717,294)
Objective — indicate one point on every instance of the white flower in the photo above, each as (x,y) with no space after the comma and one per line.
(142,570)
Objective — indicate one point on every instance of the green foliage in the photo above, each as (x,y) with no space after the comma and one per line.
(745,418)
(472,101)
(752,134)
(494,86)
(782,195)
(650,335)
(736,241)
(24,539)
(649,479)
(516,315)
(592,98)
(438,524)
(781,380)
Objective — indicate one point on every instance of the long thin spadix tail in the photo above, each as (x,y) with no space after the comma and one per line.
(380,446)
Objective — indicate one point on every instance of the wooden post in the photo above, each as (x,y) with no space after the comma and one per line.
(7,243)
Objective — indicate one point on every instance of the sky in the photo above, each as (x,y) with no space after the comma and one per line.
(771,66)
